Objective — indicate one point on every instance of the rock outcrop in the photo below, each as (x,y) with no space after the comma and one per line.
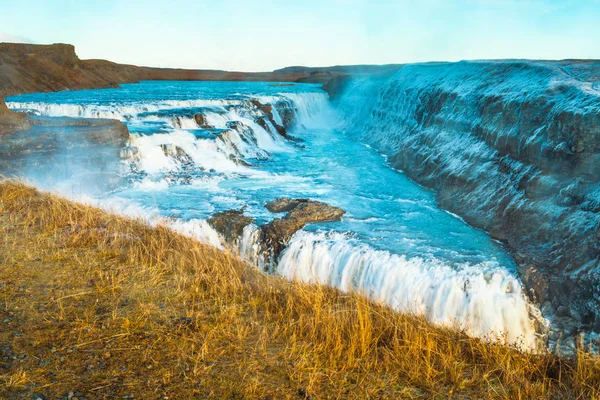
(77,133)
(41,68)
(267,110)
(277,233)
(75,151)
(12,122)
(201,121)
(230,224)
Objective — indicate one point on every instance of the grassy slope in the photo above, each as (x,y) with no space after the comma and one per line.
(106,306)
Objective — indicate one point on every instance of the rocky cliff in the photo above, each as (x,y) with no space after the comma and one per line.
(41,68)
(514,148)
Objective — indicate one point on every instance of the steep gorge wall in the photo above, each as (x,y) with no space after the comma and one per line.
(514,148)
(26,68)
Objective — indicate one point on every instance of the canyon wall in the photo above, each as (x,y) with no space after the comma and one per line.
(28,68)
(511,146)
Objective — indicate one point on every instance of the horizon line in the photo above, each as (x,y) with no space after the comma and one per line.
(312,66)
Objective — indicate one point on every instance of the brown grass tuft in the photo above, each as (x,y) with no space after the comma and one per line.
(105,306)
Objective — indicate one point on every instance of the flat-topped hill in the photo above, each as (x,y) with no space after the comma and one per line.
(39,68)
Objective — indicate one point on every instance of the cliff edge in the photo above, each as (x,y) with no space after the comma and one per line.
(513,147)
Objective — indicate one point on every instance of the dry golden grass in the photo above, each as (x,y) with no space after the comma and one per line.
(105,306)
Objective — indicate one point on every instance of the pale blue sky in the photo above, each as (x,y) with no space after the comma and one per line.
(269,34)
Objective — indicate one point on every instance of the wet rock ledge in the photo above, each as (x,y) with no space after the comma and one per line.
(275,235)
(54,149)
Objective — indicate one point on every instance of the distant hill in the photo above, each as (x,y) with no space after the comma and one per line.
(26,68)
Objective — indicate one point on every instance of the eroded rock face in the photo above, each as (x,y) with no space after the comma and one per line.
(267,109)
(48,135)
(54,150)
(512,147)
(9,121)
(230,224)
(276,234)
(43,68)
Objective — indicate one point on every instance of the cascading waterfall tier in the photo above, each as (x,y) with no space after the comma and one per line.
(484,300)
(196,135)
(190,157)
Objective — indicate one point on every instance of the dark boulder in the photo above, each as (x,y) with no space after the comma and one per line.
(276,234)
(202,122)
(230,224)
(267,109)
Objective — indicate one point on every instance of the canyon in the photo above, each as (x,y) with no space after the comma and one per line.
(513,147)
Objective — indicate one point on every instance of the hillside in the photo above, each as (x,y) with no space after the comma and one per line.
(26,68)
(38,68)
(101,306)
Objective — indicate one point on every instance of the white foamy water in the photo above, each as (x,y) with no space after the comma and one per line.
(249,246)
(208,154)
(484,300)
(121,111)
